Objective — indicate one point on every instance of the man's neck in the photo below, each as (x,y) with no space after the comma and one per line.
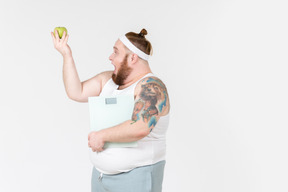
(134,77)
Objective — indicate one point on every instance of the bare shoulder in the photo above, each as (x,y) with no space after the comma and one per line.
(101,78)
(93,86)
(153,92)
(105,76)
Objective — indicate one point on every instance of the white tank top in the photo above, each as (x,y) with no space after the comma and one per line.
(151,149)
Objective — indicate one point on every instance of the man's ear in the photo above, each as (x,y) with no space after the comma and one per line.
(134,58)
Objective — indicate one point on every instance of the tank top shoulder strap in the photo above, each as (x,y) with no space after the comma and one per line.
(135,84)
(110,88)
(147,75)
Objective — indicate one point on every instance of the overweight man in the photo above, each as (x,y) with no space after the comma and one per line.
(133,169)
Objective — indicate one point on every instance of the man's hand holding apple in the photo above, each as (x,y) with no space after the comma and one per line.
(61,43)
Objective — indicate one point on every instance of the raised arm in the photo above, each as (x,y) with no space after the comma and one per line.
(75,89)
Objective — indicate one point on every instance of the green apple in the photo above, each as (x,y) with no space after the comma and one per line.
(60,31)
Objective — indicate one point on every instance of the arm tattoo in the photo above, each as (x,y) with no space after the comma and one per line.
(152,100)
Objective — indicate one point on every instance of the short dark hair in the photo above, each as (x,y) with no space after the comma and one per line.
(139,40)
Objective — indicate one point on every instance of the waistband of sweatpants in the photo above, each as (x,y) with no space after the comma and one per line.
(140,167)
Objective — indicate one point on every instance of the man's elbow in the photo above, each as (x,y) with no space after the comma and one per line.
(143,133)
(77,98)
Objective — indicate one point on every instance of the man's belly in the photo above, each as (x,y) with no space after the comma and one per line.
(118,160)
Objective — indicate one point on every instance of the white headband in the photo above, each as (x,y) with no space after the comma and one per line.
(133,48)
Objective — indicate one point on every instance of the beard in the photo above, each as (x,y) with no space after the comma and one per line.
(123,72)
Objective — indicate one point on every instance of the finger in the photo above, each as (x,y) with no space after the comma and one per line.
(56,35)
(89,135)
(98,150)
(53,37)
(66,39)
(63,36)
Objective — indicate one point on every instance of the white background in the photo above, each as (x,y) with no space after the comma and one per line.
(225,66)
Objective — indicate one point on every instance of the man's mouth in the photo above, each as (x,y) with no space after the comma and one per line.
(114,72)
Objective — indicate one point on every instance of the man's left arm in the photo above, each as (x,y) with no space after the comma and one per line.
(151,102)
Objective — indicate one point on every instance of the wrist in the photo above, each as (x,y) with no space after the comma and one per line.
(103,135)
(67,55)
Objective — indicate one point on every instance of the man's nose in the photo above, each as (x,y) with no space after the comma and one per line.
(110,57)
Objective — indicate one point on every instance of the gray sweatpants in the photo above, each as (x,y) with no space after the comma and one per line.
(141,179)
